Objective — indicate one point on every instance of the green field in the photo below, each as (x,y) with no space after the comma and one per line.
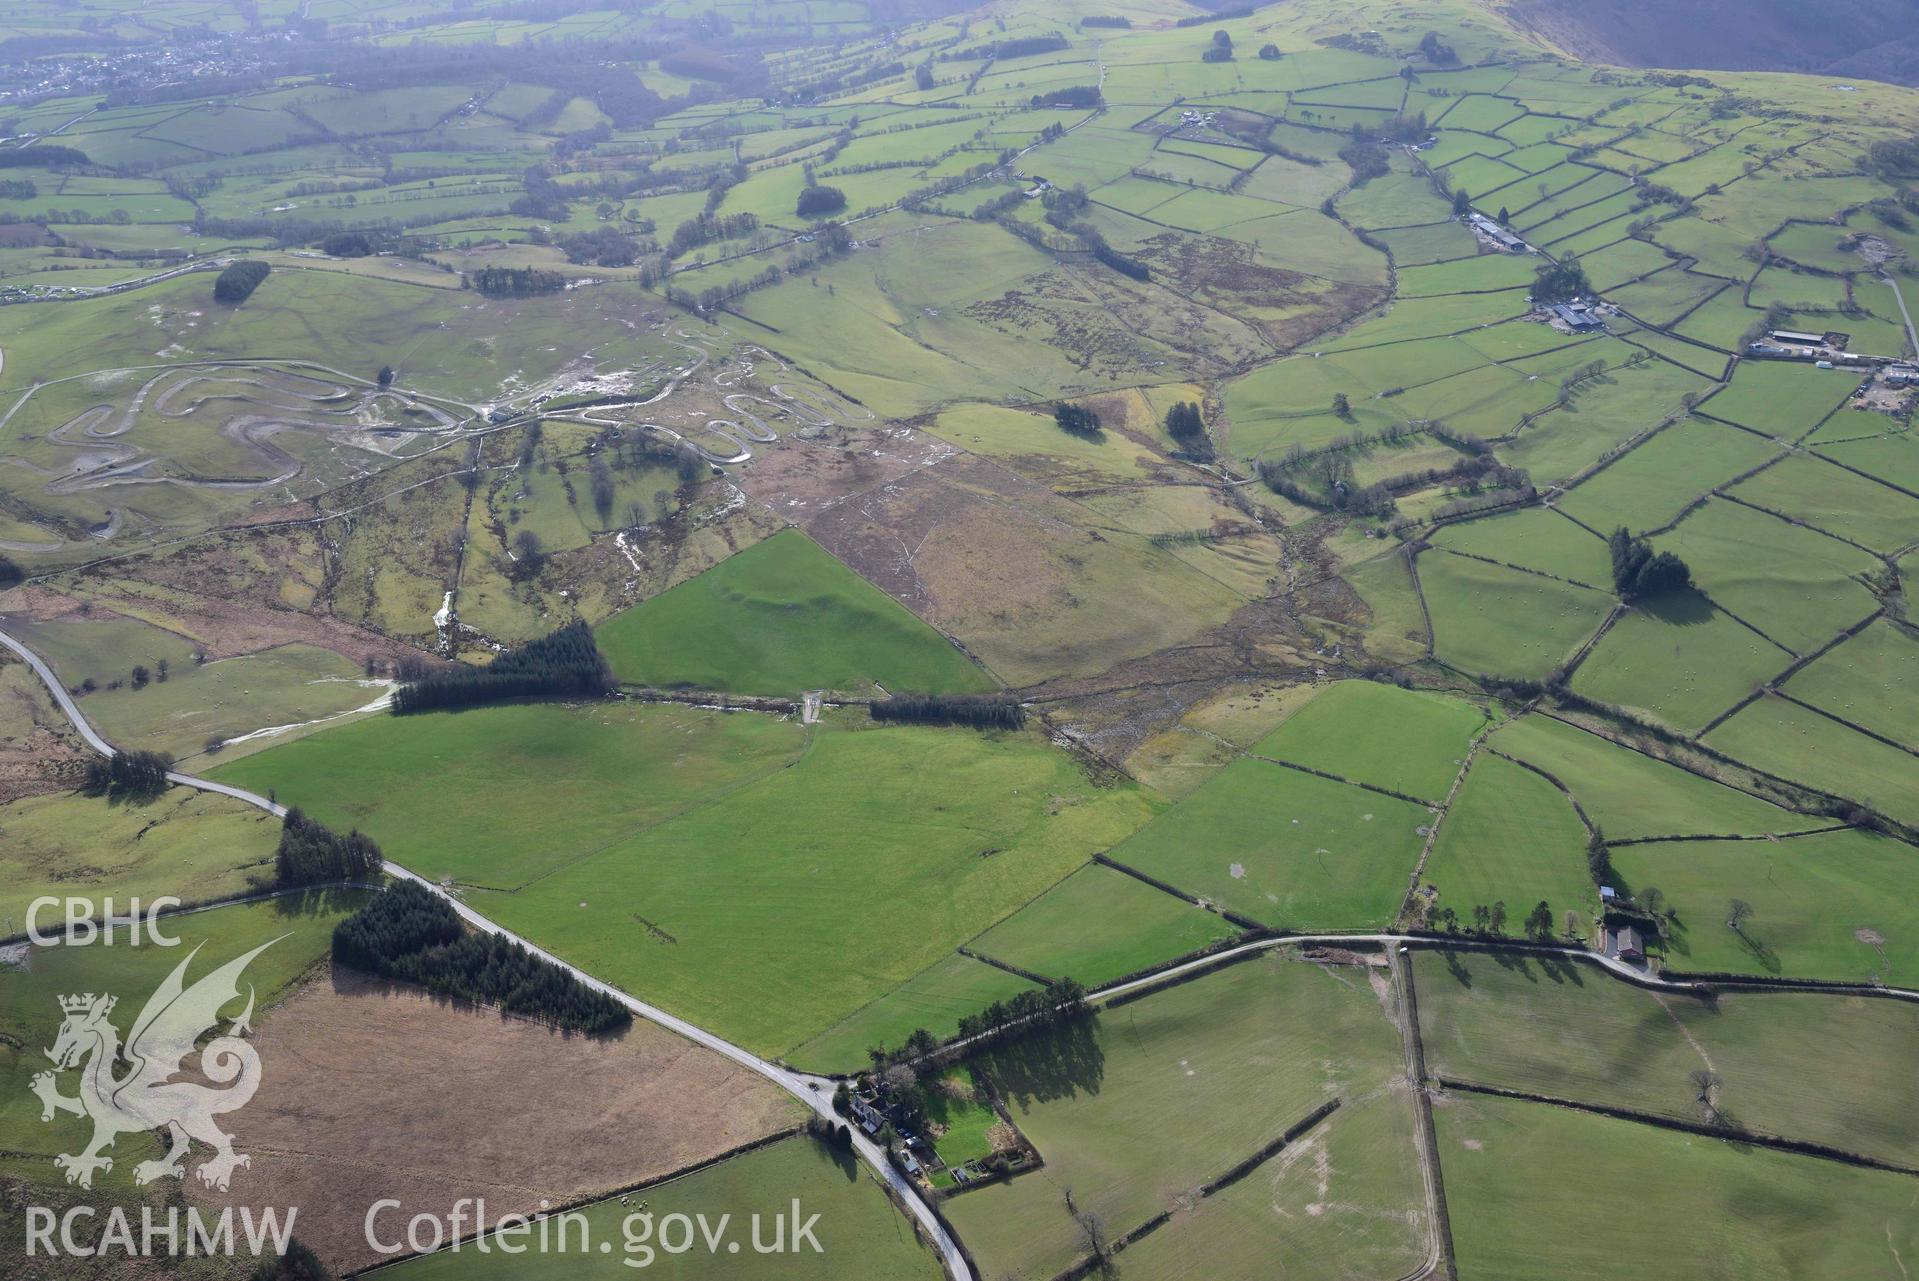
(935,999)
(1573,1032)
(603,773)
(1535,1190)
(1796,743)
(1630,795)
(1097,925)
(1869,680)
(1825,906)
(778,618)
(707,859)
(1511,837)
(1487,618)
(1406,740)
(1285,848)
(1678,661)
(1169,1091)
(861,1235)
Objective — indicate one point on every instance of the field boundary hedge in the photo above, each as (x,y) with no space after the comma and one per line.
(1798,1147)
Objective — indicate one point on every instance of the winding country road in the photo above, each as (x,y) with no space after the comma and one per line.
(816,1092)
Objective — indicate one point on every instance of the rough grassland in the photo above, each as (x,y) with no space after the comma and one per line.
(1534,1191)
(1829,906)
(1630,795)
(1500,621)
(191,845)
(30,1011)
(1098,924)
(1167,1092)
(862,1237)
(1575,1032)
(1408,740)
(1284,848)
(434,1076)
(784,906)
(781,617)
(497,796)
(1510,837)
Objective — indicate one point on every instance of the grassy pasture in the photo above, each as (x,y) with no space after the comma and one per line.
(1510,837)
(735,911)
(1653,483)
(1890,458)
(603,772)
(1825,906)
(1797,585)
(862,1236)
(1361,1201)
(1630,795)
(1784,739)
(1534,538)
(1487,618)
(1603,415)
(1159,1095)
(1098,924)
(1837,501)
(1574,1032)
(1408,740)
(1780,398)
(1678,660)
(1533,1190)
(1871,680)
(781,617)
(935,999)
(1284,848)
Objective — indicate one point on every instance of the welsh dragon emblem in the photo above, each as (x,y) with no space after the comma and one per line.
(130,1088)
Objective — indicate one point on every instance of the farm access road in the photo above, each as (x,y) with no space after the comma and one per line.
(817,1091)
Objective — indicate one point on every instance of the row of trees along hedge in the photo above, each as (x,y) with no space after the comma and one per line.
(311,853)
(1083,97)
(127,774)
(516,282)
(43,157)
(565,663)
(237,283)
(413,934)
(983,711)
(1033,1009)
(1637,570)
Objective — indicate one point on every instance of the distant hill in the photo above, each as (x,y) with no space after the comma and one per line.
(1862,39)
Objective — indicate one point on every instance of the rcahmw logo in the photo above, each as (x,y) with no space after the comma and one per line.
(146,1097)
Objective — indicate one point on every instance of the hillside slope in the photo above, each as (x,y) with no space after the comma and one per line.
(1868,39)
